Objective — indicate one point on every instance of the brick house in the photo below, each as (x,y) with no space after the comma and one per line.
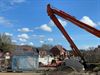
(58,50)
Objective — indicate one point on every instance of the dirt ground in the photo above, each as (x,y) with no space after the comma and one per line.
(20,73)
(54,73)
(74,73)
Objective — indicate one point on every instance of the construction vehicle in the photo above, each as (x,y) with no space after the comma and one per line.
(52,12)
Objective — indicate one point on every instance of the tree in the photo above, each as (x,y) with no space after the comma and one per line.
(91,48)
(46,47)
(6,43)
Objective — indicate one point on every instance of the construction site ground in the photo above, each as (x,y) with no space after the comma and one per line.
(52,73)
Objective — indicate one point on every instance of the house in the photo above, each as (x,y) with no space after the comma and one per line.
(57,54)
(45,57)
(43,53)
(58,50)
(23,47)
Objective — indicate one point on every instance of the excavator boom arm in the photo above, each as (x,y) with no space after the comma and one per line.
(73,20)
(51,12)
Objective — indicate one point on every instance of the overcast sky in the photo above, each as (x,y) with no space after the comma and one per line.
(27,22)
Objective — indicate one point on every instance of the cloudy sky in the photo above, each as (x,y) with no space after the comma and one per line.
(27,22)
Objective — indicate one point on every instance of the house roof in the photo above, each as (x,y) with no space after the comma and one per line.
(57,49)
(23,50)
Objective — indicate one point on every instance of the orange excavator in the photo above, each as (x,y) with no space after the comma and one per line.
(52,12)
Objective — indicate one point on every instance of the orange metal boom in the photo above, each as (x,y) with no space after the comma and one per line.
(51,12)
(61,28)
(73,20)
